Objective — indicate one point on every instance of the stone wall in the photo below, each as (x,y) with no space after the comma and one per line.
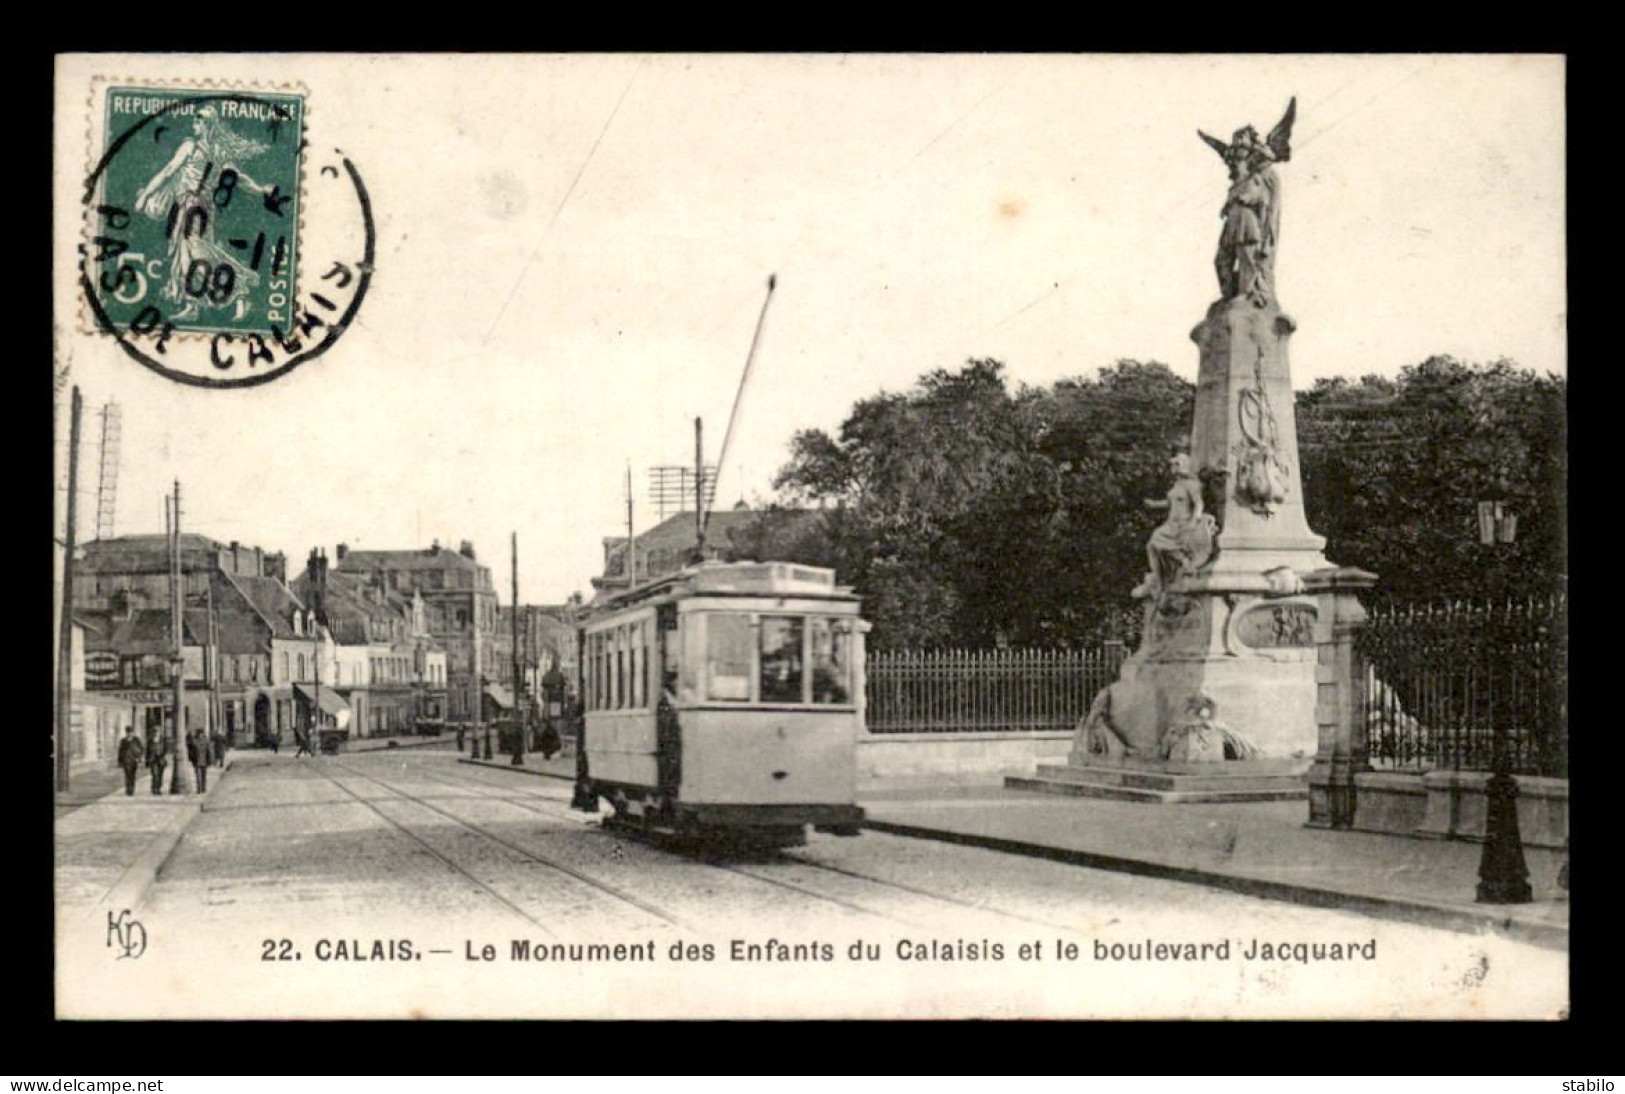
(959,757)
(1452,805)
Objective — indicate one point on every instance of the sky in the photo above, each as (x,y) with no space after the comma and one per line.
(573,252)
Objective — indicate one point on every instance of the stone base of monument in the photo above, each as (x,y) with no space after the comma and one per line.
(1169,782)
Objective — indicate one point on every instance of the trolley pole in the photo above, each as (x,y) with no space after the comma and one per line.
(518,682)
(64,657)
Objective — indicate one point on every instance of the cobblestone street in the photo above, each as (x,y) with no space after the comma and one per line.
(316,860)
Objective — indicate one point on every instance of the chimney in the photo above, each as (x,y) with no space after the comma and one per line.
(466,549)
(316,569)
(343,549)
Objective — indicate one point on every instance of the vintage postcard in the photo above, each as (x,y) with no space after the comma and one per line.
(810,536)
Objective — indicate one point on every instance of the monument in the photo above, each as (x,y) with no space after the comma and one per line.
(1219,701)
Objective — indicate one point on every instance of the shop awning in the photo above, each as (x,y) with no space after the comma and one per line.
(330,702)
(499,695)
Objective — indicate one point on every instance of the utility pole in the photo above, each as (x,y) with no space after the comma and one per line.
(631,538)
(316,715)
(699,493)
(518,682)
(177,755)
(64,656)
(212,669)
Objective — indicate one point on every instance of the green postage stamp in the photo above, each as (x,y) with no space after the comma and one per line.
(197,207)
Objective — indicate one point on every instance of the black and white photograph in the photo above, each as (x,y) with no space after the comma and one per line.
(810,535)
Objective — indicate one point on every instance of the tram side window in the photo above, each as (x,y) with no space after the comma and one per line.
(638,662)
(728,655)
(831,662)
(620,673)
(598,672)
(781,674)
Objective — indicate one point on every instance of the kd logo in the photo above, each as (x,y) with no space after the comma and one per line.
(127,934)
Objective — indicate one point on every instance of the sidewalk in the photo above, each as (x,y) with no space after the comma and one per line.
(108,851)
(559,767)
(91,782)
(1260,849)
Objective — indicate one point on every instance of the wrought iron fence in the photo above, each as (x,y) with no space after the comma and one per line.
(1446,684)
(978,691)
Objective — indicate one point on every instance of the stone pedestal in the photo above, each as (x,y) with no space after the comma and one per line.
(1168,782)
(1245,436)
(1243,630)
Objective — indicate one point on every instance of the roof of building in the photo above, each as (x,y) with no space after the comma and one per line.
(139,554)
(148,631)
(351,604)
(274,602)
(422,558)
(677,531)
(154,541)
(668,543)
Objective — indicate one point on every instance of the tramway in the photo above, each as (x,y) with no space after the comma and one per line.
(725,701)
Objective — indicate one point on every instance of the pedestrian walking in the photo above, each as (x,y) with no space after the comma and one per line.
(459,738)
(157,759)
(302,736)
(550,742)
(131,754)
(276,742)
(197,753)
(219,742)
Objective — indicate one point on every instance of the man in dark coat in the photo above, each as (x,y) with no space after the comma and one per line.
(158,759)
(197,753)
(131,753)
(219,742)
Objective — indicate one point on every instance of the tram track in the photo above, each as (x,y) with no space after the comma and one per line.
(460,780)
(525,853)
(650,841)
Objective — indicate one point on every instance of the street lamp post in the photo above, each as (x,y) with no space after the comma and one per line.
(1503,873)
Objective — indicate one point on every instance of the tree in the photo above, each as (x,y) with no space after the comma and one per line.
(1393,472)
(968,514)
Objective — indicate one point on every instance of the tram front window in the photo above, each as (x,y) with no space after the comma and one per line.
(728,637)
(781,659)
(831,656)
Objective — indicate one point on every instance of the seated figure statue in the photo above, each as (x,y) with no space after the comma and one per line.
(1183,543)
(1199,737)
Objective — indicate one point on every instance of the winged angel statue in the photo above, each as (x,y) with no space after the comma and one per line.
(1252,209)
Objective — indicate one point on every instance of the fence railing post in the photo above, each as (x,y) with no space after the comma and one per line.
(1340,701)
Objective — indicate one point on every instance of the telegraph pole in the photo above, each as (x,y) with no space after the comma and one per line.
(699,493)
(177,756)
(518,682)
(64,659)
(631,537)
(216,715)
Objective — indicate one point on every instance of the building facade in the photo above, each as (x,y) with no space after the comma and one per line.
(386,664)
(250,646)
(453,604)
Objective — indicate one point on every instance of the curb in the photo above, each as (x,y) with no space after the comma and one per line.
(131,887)
(518,770)
(409,746)
(1423,913)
